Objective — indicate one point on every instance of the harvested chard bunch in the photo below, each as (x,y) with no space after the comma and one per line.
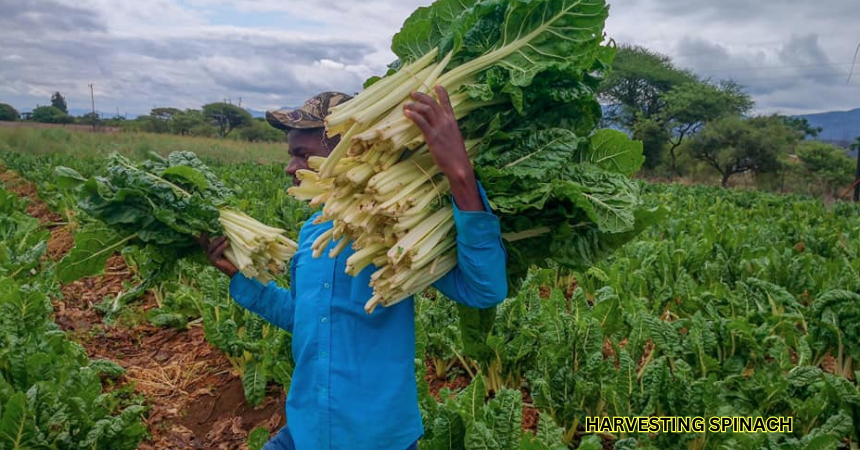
(521,76)
(166,203)
(399,219)
(379,185)
(254,246)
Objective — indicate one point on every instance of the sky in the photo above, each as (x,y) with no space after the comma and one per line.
(793,56)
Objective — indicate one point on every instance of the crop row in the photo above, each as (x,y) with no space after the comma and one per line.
(737,304)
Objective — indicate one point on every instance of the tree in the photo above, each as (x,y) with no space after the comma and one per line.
(59,102)
(148,124)
(185,121)
(50,114)
(637,82)
(802,124)
(165,114)
(856,145)
(827,164)
(226,117)
(733,145)
(688,107)
(8,113)
(204,130)
(259,130)
(159,120)
(654,137)
(90,118)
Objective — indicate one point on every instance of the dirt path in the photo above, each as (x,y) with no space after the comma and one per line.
(195,399)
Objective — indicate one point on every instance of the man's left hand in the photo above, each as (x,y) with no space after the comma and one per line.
(445,142)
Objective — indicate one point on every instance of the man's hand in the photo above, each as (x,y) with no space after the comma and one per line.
(442,135)
(215,254)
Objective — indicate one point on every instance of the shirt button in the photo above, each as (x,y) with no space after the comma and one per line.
(322,391)
(326,285)
(323,354)
(324,319)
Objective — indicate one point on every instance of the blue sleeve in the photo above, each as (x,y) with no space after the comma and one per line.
(479,280)
(274,303)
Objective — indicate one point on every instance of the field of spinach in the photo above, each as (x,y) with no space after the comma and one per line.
(737,304)
(52,396)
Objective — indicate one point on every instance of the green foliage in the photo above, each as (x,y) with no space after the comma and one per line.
(165,114)
(50,114)
(215,120)
(257,438)
(551,187)
(163,202)
(637,82)
(92,249)
(226,117)
(688,107)
(828,165)
(85,152)
(802,125)
(90,118)
(545,174)
(468,422)
(22,241)
(654,137)
(51,394)
(686,301)
(8,113)
(59,102)
(258,130)
(734,145)
(438,328)
(189,122)
(692,317)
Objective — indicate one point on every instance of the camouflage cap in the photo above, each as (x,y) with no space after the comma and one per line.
(311,115)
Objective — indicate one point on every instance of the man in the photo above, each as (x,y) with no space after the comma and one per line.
(353,386)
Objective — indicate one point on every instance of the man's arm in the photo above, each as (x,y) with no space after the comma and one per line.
(272,302)
(480,279)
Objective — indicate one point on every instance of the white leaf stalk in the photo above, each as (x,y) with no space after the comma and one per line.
(381,187)
(255,249)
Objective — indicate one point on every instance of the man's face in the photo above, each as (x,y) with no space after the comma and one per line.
(304,144)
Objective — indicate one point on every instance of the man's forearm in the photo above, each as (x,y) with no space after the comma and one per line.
(464,188)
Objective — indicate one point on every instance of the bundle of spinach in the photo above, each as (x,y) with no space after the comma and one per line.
(522,76)
(166,203)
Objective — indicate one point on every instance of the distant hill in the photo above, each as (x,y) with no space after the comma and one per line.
(255,113)
(840,127)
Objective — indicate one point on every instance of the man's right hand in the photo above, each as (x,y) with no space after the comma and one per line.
(215,254)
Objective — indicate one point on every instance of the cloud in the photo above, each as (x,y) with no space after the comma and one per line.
(146,65)
(275,53)
(792,56)
(19,16)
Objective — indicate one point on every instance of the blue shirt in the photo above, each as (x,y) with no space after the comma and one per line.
(353,385)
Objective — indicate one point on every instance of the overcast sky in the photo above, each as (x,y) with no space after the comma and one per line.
(793,55)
